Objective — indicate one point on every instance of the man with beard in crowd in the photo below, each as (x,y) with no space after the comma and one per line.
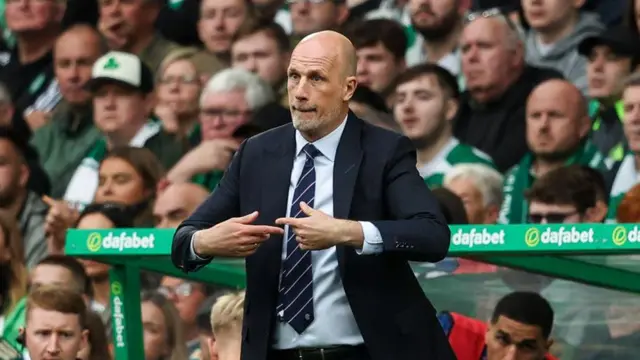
(440,24)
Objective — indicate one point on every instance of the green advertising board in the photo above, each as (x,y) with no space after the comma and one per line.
(587,253)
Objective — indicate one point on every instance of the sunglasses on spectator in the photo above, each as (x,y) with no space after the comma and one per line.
(551,217)
(184,289)
(489,13)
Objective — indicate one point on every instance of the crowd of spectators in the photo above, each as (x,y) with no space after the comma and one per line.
(126,113)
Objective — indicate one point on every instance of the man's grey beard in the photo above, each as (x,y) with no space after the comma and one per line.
(314,125)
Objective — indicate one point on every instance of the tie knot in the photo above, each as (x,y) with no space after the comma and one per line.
(311,151)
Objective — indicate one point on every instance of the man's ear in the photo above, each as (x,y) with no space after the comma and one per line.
(349,88)
(548,345)
(452,109)
(213,349)
(85,339)
(24,175)
(60,10)
(597,213)
(342,14)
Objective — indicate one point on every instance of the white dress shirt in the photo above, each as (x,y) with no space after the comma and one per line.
(334,323)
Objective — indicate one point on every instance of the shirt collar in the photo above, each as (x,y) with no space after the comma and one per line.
(328,145)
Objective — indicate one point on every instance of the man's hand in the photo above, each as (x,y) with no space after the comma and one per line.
(60,217)
(37,119)
(235,237)
(320,231)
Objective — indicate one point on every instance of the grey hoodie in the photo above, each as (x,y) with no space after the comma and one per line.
(564,56)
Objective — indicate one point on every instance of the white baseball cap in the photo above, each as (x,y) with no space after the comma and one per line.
(123,68)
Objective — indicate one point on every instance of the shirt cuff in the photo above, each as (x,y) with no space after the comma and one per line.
(372,239)
(192,250)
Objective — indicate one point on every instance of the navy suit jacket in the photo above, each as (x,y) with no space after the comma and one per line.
(376,180)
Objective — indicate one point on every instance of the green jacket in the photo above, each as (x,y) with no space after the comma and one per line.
(63,143)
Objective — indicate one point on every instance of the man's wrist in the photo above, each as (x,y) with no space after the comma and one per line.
(351,233)
(197,246)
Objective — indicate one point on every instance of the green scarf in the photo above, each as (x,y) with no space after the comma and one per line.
(209,180)
(515,208)
(13,322)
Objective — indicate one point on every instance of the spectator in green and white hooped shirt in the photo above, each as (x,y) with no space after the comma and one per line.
(557,134)
(627,174)
(226,103)
(426,102)
(611,57)
(121,86)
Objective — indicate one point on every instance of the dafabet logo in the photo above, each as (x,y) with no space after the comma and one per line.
(620,235)
(118,315)
(125,240)
(562,236)
(473,237)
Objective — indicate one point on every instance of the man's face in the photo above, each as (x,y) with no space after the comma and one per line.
(420,109)
(554,124)
(477,211)
(605,71)
(33,15)
(48,274)
(51,335)
(126,19)
(434,19)
(222,113)
(487,60)
(317,86)
(541,213)
(309,17)
(171,208)
(377,67)
(74,56)
(118,109)
(260,54)
(631,100)
(186,296)
(13,173)
(511,340)
(219,21)
(549,15)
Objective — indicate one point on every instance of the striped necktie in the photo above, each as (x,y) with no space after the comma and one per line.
(296,284)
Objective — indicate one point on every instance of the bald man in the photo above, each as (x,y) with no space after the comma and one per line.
(64,140)
(328,211)
(176,203)
(557,132)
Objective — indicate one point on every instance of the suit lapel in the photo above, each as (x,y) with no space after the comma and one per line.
(345,172)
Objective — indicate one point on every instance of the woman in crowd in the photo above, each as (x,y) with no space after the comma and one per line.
(13,281)
(98,348)
(178,87)
(128,176)
(162,329)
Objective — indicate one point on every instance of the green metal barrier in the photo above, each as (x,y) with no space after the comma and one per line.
(572,252)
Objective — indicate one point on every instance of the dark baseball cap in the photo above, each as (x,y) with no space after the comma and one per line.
(621,40)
